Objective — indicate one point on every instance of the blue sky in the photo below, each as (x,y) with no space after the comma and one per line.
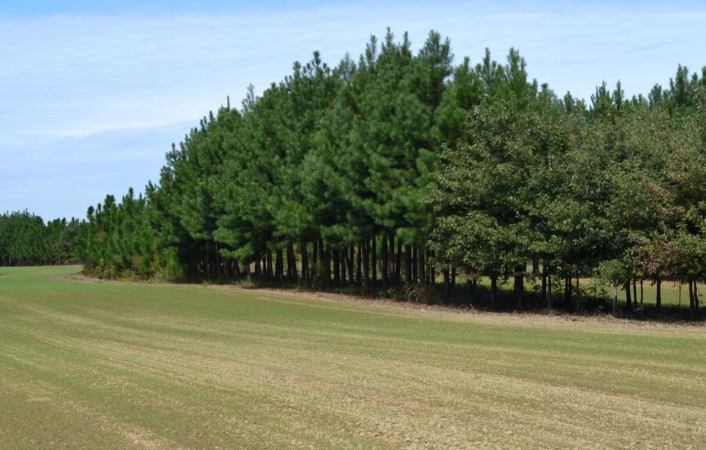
(92,94)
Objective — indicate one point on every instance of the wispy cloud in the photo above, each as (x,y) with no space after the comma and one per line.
(651,47)
(104,93)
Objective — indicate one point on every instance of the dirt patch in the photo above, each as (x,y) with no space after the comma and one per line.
(530,318)
(81,278)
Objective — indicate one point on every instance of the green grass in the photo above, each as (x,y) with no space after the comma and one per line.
(136,366)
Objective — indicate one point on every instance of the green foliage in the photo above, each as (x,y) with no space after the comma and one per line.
(117,239)
(26,240)
(401,161)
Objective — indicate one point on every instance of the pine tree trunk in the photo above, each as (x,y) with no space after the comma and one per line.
(469,289)
(628,300)
(519,285)
(408,264)
(415,271)
(199,271)
(375,264)
(432,271)
(327,265)
(359,274)
(208,261)
(346,274)
(293,263)
(549,290)
(313,278)
(544,280)
(447,284)
(271,269)
(391,264)
(270,276)
(324,263)
(337,266)
(218,261)
(659,294)
(578,293)
(258,268)
(342,263)
(305,263)
(287,265)
(384,258)
(350,257)
(493,289)
(398,263)
(422,266)
(288,258)
(346,266)
(366,266)
(279,266)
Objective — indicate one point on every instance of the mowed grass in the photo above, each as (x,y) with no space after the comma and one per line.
(88,365)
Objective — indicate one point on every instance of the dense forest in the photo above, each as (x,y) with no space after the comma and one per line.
(25,240)
(398,169)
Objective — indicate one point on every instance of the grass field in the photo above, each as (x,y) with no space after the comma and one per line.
(114,366)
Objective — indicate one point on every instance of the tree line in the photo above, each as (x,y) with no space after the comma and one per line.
(25,240)
(398,168)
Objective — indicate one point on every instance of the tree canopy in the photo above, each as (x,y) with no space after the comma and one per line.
(379,172)
(26,240)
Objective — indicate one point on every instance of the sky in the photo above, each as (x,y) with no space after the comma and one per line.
(93,93)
